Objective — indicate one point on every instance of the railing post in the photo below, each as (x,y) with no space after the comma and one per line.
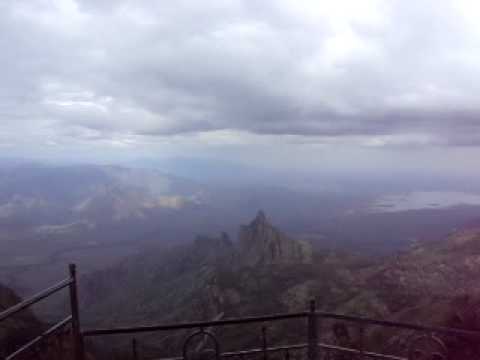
(312,333)
(134,349)
(78,351)
(264,343)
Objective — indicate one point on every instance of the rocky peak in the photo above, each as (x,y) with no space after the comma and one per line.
(260,219)
(261,243)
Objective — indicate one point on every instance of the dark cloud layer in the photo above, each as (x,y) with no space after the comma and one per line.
(123,72)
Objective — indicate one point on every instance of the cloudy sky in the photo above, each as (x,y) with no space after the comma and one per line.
(287,83)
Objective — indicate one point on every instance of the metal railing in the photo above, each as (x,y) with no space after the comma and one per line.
(321,342)
(424,342)
(72,321)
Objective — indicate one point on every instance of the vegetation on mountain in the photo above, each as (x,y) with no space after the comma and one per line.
(266,271)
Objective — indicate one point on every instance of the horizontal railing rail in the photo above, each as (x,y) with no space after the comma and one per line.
(193,325)
(34,299)
(254,351)
(313,345)
(367,354)
(71,320)
(400,325)
(275,317)
(288,348)
(51,331)
(414,336)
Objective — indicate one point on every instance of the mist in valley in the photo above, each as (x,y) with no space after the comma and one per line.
(95,215)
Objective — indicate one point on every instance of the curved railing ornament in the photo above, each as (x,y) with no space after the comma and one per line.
(427,347)
(207,347)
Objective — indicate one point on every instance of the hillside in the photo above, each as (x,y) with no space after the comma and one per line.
(91,215)
(266,271)
(96,215)
(430,275)
(216,275)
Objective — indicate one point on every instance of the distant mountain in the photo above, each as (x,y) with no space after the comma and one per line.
(91,215)
(93,193)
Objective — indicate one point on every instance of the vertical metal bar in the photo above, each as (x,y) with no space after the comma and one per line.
(56,347)
(134,349)
(361,342)
(264,343)
(312,332)
(78,351)
(61,348)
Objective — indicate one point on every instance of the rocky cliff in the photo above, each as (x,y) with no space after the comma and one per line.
(261,244)
(211,275)
(265,271)
(268,272)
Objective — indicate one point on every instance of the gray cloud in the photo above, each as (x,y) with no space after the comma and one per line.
(390,73)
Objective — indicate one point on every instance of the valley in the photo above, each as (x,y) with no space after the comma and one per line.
(97,215)
(177,248)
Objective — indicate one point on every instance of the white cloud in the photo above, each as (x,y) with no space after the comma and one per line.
(197,76)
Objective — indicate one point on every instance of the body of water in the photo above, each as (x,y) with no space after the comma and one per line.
(418,200)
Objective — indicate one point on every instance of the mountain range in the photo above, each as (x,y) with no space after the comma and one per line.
(95,215)
(265,271)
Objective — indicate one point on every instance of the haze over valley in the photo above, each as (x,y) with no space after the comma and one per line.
(95,215)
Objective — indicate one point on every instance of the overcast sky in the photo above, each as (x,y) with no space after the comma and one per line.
(285,83)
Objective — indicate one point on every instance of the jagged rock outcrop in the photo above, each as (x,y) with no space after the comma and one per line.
(202,279)
(260,243)
(267,272)
(169,284)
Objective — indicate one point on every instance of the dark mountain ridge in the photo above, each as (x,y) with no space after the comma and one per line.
(265,271)
(216,275)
